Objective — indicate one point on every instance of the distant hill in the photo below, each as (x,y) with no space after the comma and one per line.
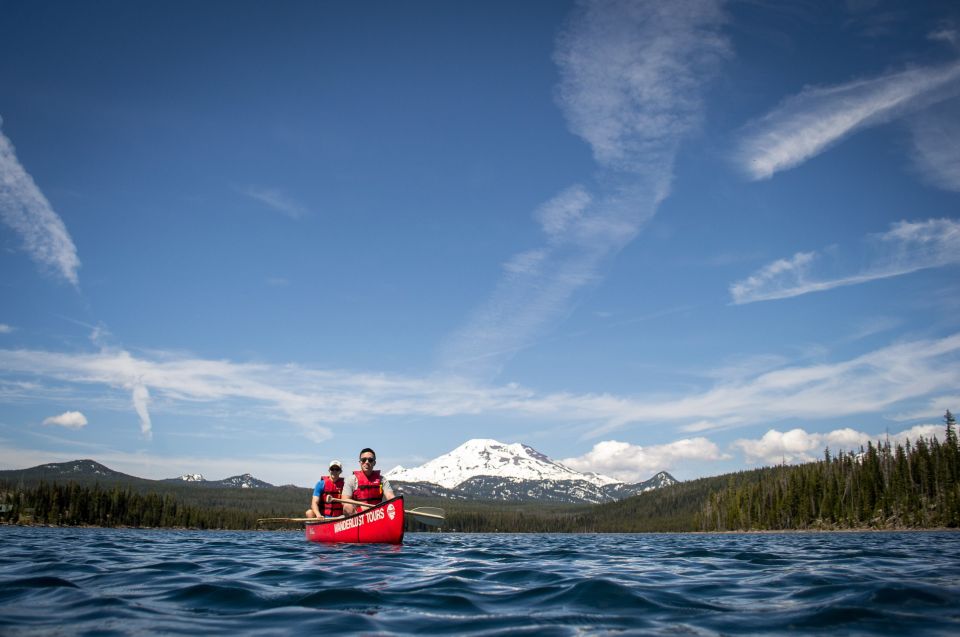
(81,471)
(243,492)
(245,481)
(90,471)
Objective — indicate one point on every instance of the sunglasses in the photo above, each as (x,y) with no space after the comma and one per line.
(366,460)
(335,469)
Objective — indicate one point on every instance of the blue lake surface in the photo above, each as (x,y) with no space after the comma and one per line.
(126,581)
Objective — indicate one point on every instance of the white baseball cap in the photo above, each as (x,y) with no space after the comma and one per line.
(336,463)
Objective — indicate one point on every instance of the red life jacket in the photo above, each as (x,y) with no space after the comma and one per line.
(368,491)
(332,509)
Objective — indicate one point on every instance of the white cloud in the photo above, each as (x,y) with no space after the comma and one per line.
(68,419)
(936,145)
(558,215)
(631,75)
(805,125)
(633,463)
(141,400)
(276,199)
(25,209)
(919,431)
(907,247)
(799,445)
(772,276)
(890,378)
(868,384)
(947,36)
(5,329)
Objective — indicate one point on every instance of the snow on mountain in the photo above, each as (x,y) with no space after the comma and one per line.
(486,457)
(192,477)
(245,481)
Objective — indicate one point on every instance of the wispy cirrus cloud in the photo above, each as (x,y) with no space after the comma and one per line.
(632,75)
(806,124)
(631,79)
(894,377)
(868,384)
(936,150)
(24,208)
(276,199)
(907,247)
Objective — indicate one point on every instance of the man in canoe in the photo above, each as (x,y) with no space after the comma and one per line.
(330,485)
(366,485)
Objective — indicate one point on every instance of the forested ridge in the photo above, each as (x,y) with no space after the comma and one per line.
(913,485)
(884,486)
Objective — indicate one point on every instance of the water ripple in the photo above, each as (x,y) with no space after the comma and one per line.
(120,582)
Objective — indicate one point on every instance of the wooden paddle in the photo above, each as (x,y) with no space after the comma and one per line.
(298,519)
(432,516)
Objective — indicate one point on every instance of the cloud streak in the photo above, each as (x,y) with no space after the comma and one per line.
(26,210)
(896,376)
(806,124)
(907,247)
(631,77)
(277,200)
(936,151)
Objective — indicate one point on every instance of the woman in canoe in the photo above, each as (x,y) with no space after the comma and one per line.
(329,485)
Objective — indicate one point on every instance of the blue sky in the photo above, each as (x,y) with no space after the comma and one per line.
(691,236)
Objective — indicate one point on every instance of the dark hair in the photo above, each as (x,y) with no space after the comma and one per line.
(366,449)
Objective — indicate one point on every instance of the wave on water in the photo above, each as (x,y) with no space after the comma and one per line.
(126,581)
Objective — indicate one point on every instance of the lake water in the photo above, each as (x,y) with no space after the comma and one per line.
(124,581)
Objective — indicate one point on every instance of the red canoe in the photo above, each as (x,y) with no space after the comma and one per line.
(383,524)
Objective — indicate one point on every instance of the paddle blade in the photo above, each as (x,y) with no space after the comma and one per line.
(431,516)
(430,511)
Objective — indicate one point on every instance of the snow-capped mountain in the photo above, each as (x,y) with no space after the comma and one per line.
(488,469)
(485,457)
(246,481)
(192,477)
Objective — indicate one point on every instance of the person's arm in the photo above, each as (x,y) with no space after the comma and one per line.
(387,490)
(315,505)
(348,485)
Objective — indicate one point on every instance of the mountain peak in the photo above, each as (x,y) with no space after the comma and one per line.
(245,481)
(79,467)
(488,457)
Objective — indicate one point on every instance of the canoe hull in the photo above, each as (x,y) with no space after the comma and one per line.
(383,524)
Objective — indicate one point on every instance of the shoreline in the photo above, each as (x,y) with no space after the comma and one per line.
(300,530)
